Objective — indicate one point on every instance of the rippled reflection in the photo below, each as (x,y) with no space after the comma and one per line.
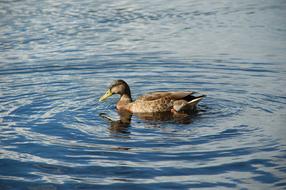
(123,123)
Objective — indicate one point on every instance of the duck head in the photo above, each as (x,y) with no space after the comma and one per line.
(117,87)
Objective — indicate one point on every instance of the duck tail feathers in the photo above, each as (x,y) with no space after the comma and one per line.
(195,101)
(191,105)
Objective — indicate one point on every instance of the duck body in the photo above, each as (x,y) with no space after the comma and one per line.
(163,102)
(180,101)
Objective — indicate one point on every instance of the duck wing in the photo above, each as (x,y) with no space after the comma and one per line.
(185,95)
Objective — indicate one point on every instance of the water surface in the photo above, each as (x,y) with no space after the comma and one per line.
(58,58)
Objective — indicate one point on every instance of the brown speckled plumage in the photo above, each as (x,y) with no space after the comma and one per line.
(181,101)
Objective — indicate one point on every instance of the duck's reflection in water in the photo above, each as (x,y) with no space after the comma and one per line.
(123,123)
(119,126)
(181,118)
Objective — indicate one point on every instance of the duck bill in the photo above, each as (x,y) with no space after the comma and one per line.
(106,95)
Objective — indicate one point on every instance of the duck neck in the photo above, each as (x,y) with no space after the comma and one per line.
(126,98)
(124,102)
(126,95)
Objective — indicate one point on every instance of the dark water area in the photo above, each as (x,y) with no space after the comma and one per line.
(58,57)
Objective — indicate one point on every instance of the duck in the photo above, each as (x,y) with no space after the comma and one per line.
(152,102)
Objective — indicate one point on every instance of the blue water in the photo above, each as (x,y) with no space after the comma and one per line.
(58,57)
